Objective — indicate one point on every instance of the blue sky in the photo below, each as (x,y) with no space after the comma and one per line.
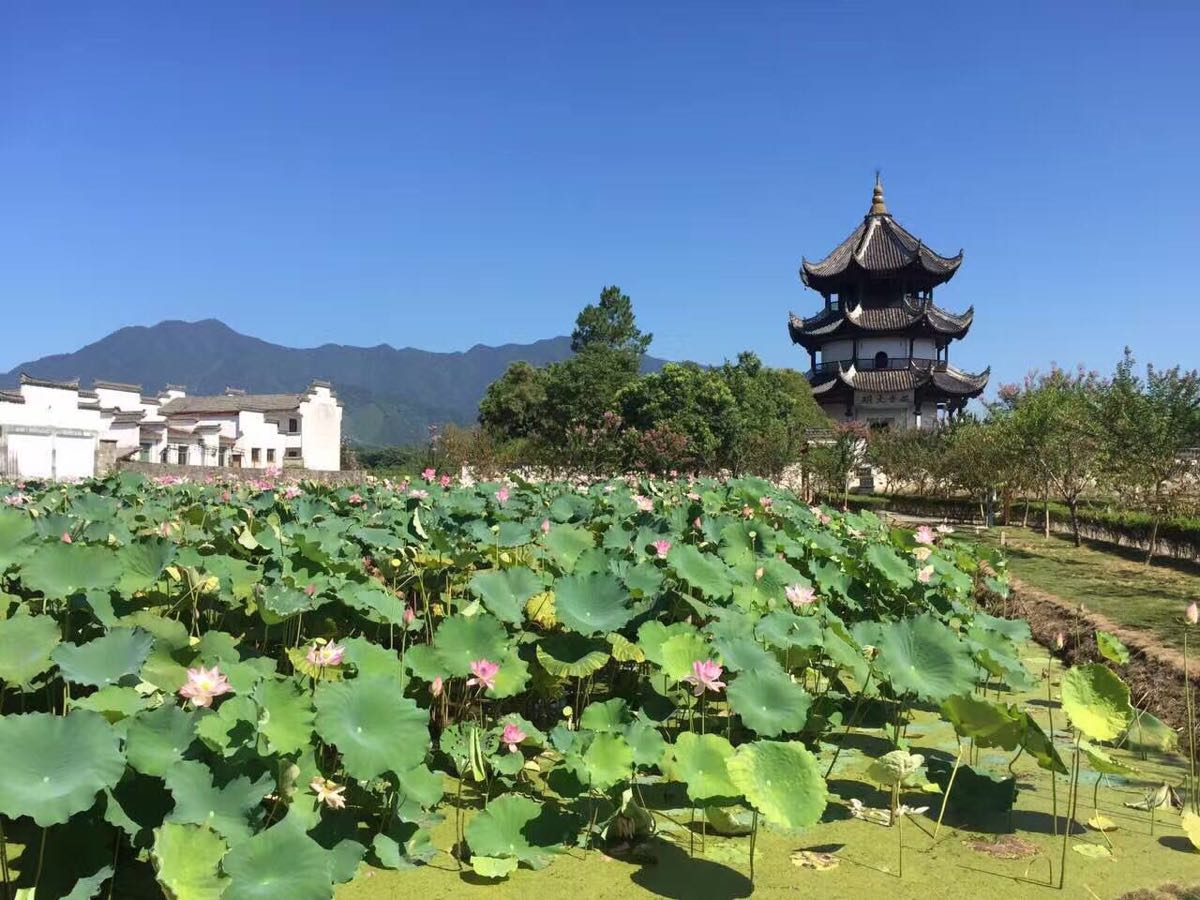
(444,174)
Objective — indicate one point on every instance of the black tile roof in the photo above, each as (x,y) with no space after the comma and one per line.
(909,316)
(230,403)
(941,378)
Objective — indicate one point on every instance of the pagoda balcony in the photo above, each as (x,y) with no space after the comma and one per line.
(892,362)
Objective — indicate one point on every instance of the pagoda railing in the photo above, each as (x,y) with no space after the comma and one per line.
(892,362)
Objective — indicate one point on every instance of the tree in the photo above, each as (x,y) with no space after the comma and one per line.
(774,411)
(1150,425)
(833,460)
(685,399)
(514,405)
(610,324)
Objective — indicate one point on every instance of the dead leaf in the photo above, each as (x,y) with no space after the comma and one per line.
(811,859)
(1006,846)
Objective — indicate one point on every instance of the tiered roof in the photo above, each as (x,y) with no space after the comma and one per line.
(880,247)
(935,380)
(917,317)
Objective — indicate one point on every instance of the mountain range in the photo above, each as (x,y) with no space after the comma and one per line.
(391,396)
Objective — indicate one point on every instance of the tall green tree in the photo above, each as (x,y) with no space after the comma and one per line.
(1151,426)
(687,400)
(514,405)
(611,325)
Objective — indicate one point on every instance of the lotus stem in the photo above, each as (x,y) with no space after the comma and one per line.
(37,878)
(1072,797)
(949,788)
(1189,700)
(753,839)
(1050,715)
(900,837)
(849,724)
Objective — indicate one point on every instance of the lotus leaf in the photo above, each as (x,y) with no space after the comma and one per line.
(571,656)
(105,660)
(566,543)
(681,651)
(187,861)
(60,570)
(706,574)
(374,728)
(281,861)
(609,715)
(159,738)
(504,592)
(924,657)
(502,830)
(701,762)
(52,767)
(782,780)
(227,810)
(461,640)
(1111,648)
(286,718)
(1097,701)
(609,761)
(591,604)
(769,702)
(26,643)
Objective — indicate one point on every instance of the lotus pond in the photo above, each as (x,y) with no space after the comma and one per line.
(628,688)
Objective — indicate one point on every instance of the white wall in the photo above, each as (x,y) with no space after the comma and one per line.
(321,427)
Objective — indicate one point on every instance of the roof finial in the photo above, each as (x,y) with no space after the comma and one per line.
(878,207)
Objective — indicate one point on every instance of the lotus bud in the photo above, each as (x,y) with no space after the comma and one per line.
(1192,616)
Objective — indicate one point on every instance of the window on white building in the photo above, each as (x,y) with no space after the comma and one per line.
(293,426)
(270,454)
(292,453)
(181,454)
(255,453)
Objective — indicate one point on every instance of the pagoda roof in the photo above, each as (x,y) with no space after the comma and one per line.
(917,316)
(879,247)
(939,379)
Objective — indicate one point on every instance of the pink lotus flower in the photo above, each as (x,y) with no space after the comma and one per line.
(1060,641)
(825,519)
(436,687)
(924,535)
(747,512)
(925,574)
(661,547)
(205,684)
(429,474)
(409,615)
(418,494)
(704,677)
(354,499)
(697,524)
(328,792)
(765,502)
(644,504)
(800,595)
(512,736)
(485,674)
(291,492)
(502,495)
(226,496)
(674,473)
(326,655)
(445,481)
(66,537)
(311,590)
(922,553)
(545,526)
(1192,616)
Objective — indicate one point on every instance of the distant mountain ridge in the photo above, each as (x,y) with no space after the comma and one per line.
(391,396)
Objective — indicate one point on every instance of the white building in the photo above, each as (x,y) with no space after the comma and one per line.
(53,429)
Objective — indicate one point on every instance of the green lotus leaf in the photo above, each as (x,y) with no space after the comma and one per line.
(423,661)
(494,866)
(1038,745)
(461,640)
(730,821)
(1102,762)
(376,603)
(280,602)
(781,780)
(372,660)
(701,762)
(281,861)
(286,718)
(187,860)
(504,592)
(571,655)
(105,660)
(785,629)
(610,716)
(404,846)
(59,570)
(232,727)
(142,563)
(52,767)
(511,678)
(591,604)
(1111,648)
(1146,732)
(609,761)
(114,703)
(374,728)
(566,544)
(923,656)
(16,533)
(502,830)
(769,702)
(89,887)
(741,653)
(646,743)
(421,785)
(643,580)
(680,651)
(653,634)
(707,574)
(889,564)
(990,724)
(158,739)
(624,650)
(1096,701)
(227,810)
(26,643)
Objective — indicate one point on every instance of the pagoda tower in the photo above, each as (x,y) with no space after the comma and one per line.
(880,349)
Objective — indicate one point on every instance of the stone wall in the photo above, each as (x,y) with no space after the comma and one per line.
(200,473)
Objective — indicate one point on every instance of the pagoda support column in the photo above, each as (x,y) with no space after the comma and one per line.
(812,359)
